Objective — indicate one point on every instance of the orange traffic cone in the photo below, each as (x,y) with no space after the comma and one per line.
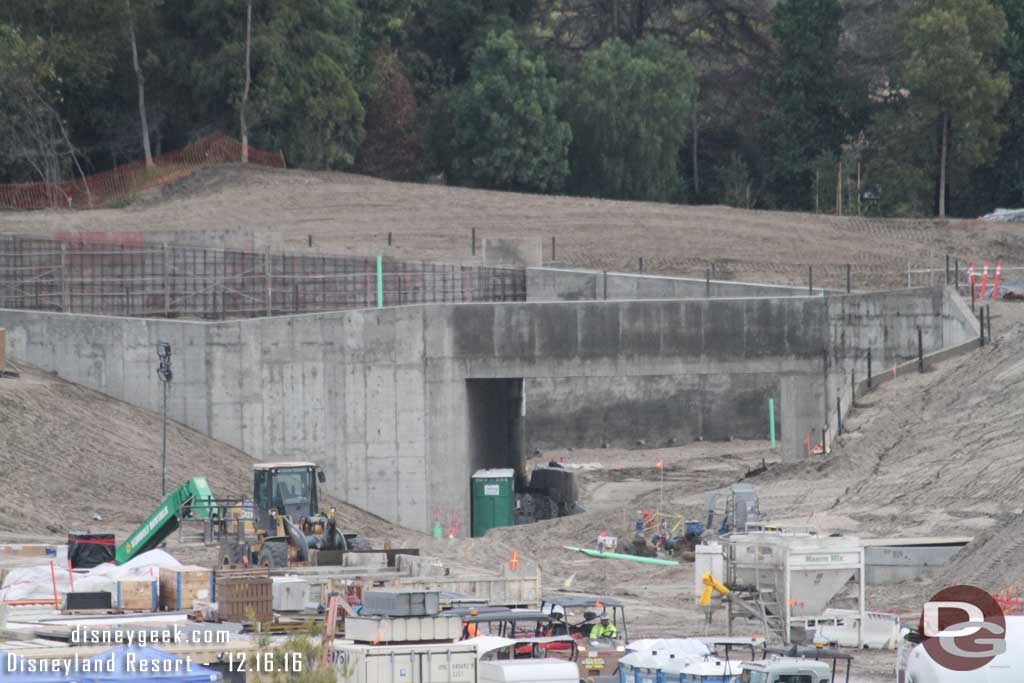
(513,562)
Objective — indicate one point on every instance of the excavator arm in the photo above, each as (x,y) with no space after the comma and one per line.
(163,521)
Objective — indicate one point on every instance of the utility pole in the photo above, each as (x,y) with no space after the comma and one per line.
(163,352)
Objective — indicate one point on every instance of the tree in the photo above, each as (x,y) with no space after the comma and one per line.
(242,124)
(391,148)
(140,83)
(804,92)
(629,113)
(948,60)
(305,66)
(32,132)
(504,127)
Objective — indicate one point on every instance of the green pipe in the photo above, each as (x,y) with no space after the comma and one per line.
(621,556)
(771,419)
(380,283)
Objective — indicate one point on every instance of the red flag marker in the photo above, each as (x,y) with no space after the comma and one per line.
(660,465)
(808,442)
(894,370)
(984,280)
(995,283)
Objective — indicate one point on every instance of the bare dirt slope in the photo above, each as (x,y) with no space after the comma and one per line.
(68,453)
(353,214)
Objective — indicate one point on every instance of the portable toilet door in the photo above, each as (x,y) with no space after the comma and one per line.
(493,499)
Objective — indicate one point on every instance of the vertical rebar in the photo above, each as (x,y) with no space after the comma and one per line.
(981,317)
(606,285)
(810,280)
(472,241)
(988,317)
(947,269)
(552,247)
(641,264)
(707,284)
(920,351)
(869,368)
(848,279)
(389,238)
(839,416)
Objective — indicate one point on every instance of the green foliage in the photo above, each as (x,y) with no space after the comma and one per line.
(805,96)
(502,125)
(629,113)
(592,97)
(948,66)
(305,69)
(391,148)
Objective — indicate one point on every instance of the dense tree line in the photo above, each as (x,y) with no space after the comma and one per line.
(893,107)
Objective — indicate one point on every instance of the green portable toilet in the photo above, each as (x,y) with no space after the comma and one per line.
(493,499)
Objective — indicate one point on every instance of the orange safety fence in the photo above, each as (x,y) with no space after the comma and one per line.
(1009,600)
(125,181)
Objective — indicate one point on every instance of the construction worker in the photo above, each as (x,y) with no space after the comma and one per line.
(603,629)
(469,630)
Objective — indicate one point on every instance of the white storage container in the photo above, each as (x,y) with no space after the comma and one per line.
(402,630)
(291,593)
(528,671)
(434,663)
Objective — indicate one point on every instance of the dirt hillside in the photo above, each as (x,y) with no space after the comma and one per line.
(353,214)
(68,454)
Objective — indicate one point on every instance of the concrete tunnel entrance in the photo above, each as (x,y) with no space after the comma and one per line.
(496,424)
(497,441)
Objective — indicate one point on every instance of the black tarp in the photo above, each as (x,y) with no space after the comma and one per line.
(87,550)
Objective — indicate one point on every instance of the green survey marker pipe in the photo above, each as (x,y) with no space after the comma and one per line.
(771,419)
(380,283)
(621,556)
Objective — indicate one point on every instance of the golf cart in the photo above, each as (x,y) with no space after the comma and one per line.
(580,613)
(797,664)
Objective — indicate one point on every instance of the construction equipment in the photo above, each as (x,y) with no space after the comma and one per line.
(283,522)
(741,509)
(166,517)
(280,526)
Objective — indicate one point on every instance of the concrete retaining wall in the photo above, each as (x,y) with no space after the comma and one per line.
(382,398)
(563,284)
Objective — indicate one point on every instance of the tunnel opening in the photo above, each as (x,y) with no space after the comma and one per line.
(503,490)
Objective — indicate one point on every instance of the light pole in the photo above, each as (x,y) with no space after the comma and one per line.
(163,352)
